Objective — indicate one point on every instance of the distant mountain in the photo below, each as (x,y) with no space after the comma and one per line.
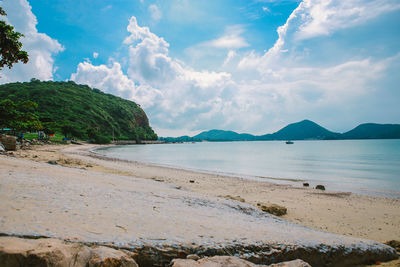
(303,130)
(374,131)
(220,135)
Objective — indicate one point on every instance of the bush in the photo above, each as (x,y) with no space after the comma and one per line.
(100,139)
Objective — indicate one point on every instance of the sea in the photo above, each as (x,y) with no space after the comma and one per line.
(369,167)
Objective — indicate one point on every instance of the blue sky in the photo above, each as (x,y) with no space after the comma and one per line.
(248,66)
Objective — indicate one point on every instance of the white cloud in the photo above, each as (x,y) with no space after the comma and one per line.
(324,17)
(231,39)
(171,92)
(112,80)
(40,47)
(95,55)
(155,12)
(260,92)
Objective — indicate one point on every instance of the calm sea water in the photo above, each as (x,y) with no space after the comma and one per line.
(361,166)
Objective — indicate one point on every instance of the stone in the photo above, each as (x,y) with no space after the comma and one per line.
(52,162)
(230,261)
(191,181)
(306,184)
(294,263)
(394,244)
(16,251)
(273,209)
(237,198)
(193,257)
(320,187)
(9,142)
(2,148)
(109,257)
(216,261)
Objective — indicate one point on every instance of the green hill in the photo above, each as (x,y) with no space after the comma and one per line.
(220,135)
(82,108)
(374,131)
(302,130)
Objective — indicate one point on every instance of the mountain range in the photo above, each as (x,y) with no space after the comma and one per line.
(303,130)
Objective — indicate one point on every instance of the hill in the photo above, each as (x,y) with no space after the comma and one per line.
(302,130)
(82,108)
(373,131)
(220,135)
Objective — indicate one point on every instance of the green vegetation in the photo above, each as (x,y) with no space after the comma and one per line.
(10,47)
(56,138)
(20,116)
(78,111)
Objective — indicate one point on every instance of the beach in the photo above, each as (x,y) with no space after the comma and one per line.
(344,213)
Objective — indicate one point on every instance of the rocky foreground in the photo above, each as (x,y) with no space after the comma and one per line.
(159,222)
(53,252)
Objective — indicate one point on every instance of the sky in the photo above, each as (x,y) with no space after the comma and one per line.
(248,65)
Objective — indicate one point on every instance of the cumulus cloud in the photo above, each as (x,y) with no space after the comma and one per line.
(171,92)
(252,92)
(111,79)
(95,55)
(40,47)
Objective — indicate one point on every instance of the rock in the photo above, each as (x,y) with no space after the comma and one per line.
(108,257)
(320,187)
(52,162)
(238,198)
(294,263)
(191,181)
(230,261)
(2,148)
(306,184)
(53,252)
(193,257)
(394,244)
(9,142)
(273,209)
(216,261)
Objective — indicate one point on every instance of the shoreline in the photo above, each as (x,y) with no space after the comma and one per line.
(351,214)
(334,182)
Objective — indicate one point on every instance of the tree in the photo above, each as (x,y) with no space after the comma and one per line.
(10,47)
(19,116)
(8,110)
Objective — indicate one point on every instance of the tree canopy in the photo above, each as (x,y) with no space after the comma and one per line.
(10,46)
(20,116)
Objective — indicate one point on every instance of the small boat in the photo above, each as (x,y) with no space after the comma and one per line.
(289,142)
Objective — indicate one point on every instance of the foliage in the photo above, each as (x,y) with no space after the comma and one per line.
(20,116)
(73,109)
(10,47)
(96,137)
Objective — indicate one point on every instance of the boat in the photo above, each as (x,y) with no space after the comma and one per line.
(289,142)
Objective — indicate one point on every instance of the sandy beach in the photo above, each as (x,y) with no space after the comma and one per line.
(370,217)
(352,215)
